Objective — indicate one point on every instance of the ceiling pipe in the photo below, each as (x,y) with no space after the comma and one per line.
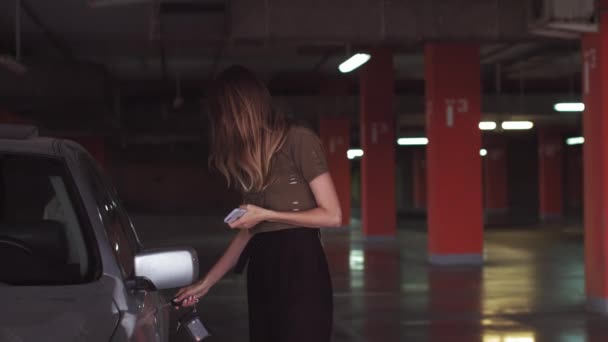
(14,63)
(61,46)
(18,30)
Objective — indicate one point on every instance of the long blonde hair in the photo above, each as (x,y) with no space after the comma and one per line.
(246,129)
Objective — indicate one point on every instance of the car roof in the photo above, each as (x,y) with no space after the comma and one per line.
(17,138)
(44,146)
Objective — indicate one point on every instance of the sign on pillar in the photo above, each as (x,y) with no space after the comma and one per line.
(335,134)
(496,197)
(589,66)
(453,106)
(455,210)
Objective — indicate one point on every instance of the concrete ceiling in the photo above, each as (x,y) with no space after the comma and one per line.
(87,51)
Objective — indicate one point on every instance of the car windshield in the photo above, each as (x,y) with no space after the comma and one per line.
(41,236)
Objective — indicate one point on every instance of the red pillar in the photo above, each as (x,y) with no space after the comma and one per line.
(378,203)
(495,167)
(453,90)
(419,176)
(335,134)
(595,162)
(574,178)
(550,181)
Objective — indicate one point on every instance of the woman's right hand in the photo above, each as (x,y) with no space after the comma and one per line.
(189,295)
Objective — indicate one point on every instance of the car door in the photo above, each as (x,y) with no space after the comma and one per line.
(51,282)
(150,311)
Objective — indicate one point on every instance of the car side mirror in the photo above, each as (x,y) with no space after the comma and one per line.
(167,268)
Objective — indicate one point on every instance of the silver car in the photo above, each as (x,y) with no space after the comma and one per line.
(71,265)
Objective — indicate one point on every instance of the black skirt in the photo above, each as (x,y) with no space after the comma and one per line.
(289,287)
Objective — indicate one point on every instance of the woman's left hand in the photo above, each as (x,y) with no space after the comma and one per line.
(252,217)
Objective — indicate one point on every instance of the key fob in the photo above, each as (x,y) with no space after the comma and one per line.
(193,324)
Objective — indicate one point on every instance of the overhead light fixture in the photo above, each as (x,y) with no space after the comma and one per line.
(483,152)
(354,153)
(487,125)
(569,107)
(575,141)
(413,141)
(517,125)
(518,339)
(354,62)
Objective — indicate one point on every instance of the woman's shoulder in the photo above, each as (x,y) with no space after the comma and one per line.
(297,133)
(297,137)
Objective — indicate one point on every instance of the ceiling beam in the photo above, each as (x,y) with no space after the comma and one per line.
(188,7)
(382,22)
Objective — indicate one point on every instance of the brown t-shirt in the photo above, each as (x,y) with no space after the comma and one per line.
(298,162)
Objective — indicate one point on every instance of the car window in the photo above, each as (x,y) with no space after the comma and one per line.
(118,227)
(125,220)
(41,231)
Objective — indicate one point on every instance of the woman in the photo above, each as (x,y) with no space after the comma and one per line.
(288,194)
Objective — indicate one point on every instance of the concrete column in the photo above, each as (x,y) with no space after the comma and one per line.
(378,202)
(574,178)
(455,216)
(419,178)
(335,134)
(550,180)
(496,199)
(595,162)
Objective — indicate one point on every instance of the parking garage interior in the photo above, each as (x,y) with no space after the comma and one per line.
(467,152)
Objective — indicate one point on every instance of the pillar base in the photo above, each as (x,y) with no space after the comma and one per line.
(455,259)
(598,305)
(379,238)
(496,211)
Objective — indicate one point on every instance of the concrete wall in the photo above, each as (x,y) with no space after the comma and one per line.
(164,179)
(162,187)
(163,183)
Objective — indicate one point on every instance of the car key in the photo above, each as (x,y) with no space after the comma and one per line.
(193,324)
(177,303)
(174,303)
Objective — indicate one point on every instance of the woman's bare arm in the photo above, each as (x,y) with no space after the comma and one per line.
(191,293)
(327,214)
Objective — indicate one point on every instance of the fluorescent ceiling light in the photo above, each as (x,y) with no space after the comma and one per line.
(354,153)
(483,152)
(575,141)
(569,107)
(518,339)
(517,125)
(354,62)
(412,141)
(487,125)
